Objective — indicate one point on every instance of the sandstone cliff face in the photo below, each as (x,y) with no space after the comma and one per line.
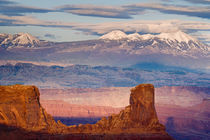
(20,107)
(177,107)
(59,108)
(139,117)
(118,96)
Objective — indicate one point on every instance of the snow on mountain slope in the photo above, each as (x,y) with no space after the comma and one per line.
(134,36)
(163,42)
(147,36)
(176,36)
(25,38)
(18,40)
(114,35)
(115,48)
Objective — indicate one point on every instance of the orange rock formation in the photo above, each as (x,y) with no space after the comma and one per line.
(139,117)
(20,107)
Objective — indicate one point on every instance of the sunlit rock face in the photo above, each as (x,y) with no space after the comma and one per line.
(142,107)
(138,117)
(20,107)
(21,115)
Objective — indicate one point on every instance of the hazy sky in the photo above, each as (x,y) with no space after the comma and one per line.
(71,20)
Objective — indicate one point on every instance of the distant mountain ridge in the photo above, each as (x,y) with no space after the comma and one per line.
(18,40)
(178,41)
(113,49)
(174,36)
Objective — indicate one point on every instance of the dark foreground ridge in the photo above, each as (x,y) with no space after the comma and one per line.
(22,116)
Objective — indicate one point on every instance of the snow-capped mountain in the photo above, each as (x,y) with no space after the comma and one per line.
(115,48)
(114,35)
(178,36)
(134,36)
(170,43)
(18,40)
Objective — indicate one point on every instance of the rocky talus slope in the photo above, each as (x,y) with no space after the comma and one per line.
(22,115)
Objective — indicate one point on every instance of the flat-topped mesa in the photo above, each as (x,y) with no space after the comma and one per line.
(139,117)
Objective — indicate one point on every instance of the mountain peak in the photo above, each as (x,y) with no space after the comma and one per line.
(114,35)
(176,43)
(176,36)
(18,40)
(25,38)
(134,36)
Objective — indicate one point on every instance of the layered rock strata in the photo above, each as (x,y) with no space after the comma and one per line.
(20,107)
(139,117)
(59,108)
(21,114)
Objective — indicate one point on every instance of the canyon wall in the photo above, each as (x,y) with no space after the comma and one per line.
(22,115)
(183,110)
(119,96)
(20,107)
(138,117)
(59,108)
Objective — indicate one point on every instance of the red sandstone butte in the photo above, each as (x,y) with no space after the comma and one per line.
(22,116)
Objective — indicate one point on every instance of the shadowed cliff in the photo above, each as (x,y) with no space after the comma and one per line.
(20,110)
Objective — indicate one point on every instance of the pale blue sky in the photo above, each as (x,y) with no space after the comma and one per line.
(65,20)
